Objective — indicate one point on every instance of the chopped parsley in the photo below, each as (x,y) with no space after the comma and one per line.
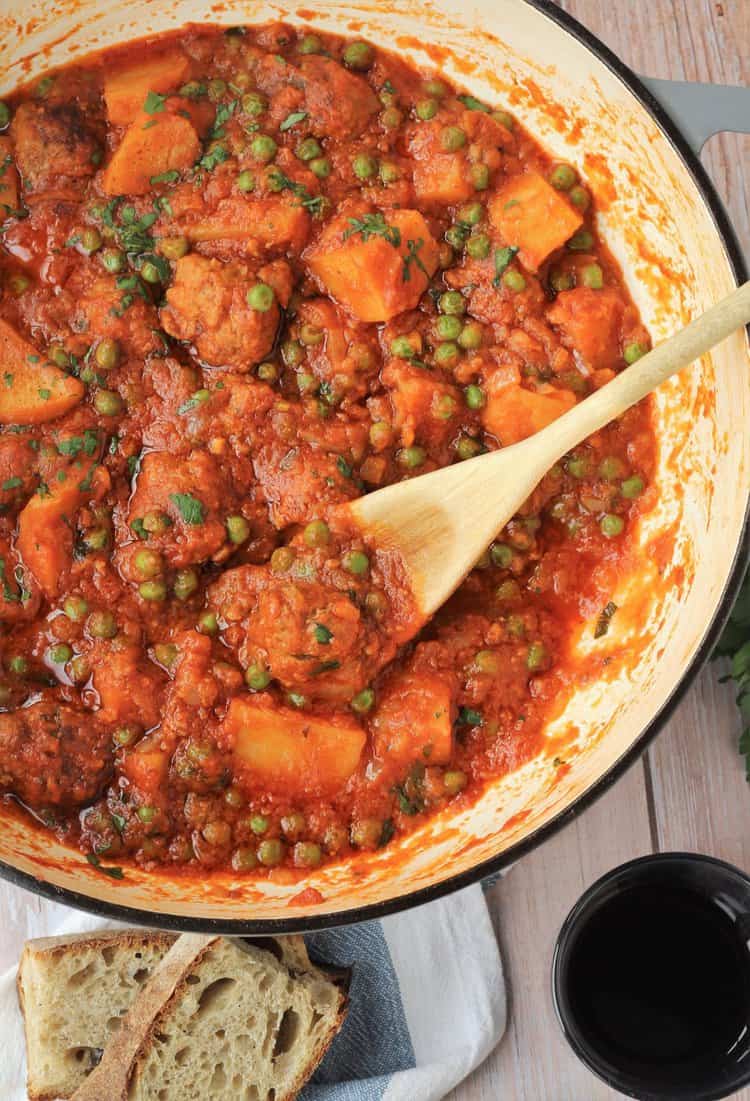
(12,483)
(321,634)
(503,257)
(73,445)
(313,203)
(172,176)
(110,869)
(602,623)
(214,158)
(154,103)
(292,120)
(223,114)
(45,394)
(373,225)
(473,104)
(413,257)
(189,508)
(343,467)
(467,716)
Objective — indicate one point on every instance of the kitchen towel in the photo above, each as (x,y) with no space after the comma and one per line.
(427,1001)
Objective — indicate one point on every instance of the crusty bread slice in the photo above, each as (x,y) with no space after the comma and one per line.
(73,993)
(224,1020)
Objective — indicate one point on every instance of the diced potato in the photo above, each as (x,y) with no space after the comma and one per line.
(146,767)
(45,530)
(416,395)
(32,391)
(8,178)
(590,321)
(275,222)
(367,273)
(513,413)
(531,215)
(288,751)
(153,144)
(443,178)
(126,89)
(414,721)
(128,693)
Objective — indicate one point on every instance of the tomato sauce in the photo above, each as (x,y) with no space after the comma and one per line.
(247,276)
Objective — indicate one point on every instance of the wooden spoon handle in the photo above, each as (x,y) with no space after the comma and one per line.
(649,372)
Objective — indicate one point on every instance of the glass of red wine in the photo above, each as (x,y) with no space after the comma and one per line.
(651,978)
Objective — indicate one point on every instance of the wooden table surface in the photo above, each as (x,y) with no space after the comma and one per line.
(689,791)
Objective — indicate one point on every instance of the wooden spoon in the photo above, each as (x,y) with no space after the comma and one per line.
(441,523)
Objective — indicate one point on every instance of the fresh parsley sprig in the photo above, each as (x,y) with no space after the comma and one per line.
(735,645)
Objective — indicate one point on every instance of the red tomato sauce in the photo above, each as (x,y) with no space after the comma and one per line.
(246,277)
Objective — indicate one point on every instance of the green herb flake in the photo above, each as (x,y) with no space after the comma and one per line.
(12,483)
(165,177)
(467,716)
(109,869)
(292,120)
(45,395)
(413,257)
(503,257)
(190,508)
(373,225)
(322,634)
(474,104)
(605,616)
(154,103)
(343,466)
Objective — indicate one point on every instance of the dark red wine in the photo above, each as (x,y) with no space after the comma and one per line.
(658,984)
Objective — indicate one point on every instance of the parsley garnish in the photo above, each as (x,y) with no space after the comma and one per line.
(388,829)
(8,379)
(7,591)
(12,483)
(165,177)
(292,120)
(343,467)
(223,114)
(473,104)
(503,257)
(189,508)
(313,203)
(110,870)
(602,623)
(322,634)
(735,645)
(412,257)
(215,157)
(467,716)
(45,394)
(373,225)
(154,103)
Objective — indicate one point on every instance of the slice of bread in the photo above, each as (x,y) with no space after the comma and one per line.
(224,1020)
(73,992)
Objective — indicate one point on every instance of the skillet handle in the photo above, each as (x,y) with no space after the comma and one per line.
(702,110)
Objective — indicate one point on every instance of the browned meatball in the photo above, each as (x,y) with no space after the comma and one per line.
(51,755)
(52,143)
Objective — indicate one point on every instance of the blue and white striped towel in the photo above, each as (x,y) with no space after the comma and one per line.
(427,1003)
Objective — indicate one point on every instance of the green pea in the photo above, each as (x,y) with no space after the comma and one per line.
(102,625)
(366,833)
(153,591)
(380,434)
(426,109)
(592,276)
(561,281)
(611,468)
(107,354)
(148,563)
(514,281)
(310,335)
(478,247)
(633,352)
(581,241)
(504,118)
(150,273)
(448,327)
(401,347)
(389,172)
(91,240)
(185,584)
(308,149)
(75,608)
(208,624)
(475,396)
(359,55)
(246,181)
(509,590)
(282,559)
(59,356)
(292,353)
(562,177)
(79,669)
(452,302)
(96,539)
(113,259)
(320,167)
(108,403)
(577,467)
(261,297)
(452,138)
(263,148)
(4,115)
(580,198)
(305,382)
(216,89)
(435,87)
(192,90)
(611,525)
(317,533)
(501,555)
(536,656)
(455,237)
(468,448)
(309,44)
(18,665)
(480,176)
(245,859)
(166,654)
(259,823)
(253,103)
(363,701)
(238,529)
(126,735)
(257,678)
(454,781)
(411,457)
(356,562)
(471,214)
(268,372)
(447,354)
(271,852)
(471,336)
(156,523)
(364,166)
(60,654)
(307,854)
(632,487)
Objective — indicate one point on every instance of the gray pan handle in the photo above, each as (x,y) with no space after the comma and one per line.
(702,110)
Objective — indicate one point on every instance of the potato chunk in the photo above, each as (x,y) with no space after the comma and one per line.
(590,321)
(46,526)
(126,89)
(288,751)
(153,144)
(414,720)
(531,215)
(513,413)
(31,390)
(376,265)
(275,223)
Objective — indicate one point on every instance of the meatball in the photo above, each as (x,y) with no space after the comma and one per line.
(338,100)
(52,755)
(300,482)
(52,143)
(225,310)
